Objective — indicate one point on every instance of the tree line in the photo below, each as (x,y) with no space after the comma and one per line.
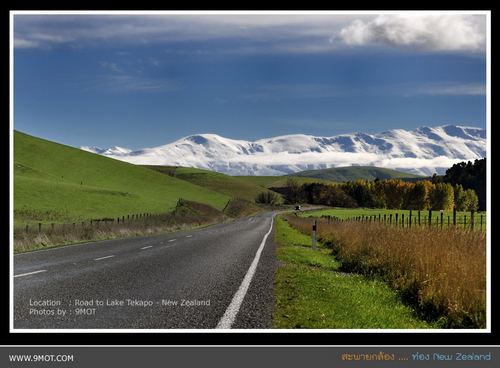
(471,175)
(387,193)
(462,188)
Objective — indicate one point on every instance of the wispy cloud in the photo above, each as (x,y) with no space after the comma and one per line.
(132,83)
(439,88)
(112,66)
(262,32)
(454,88)
(288,32)
(277,92)
(132,78)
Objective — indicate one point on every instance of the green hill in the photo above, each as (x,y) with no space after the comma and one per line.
(232,186)
(349,173)
(279,181)
(57,183)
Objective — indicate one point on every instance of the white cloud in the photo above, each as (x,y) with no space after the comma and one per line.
(302,161)
(291,32)
(437,32)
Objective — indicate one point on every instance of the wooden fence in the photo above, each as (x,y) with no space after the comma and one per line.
(103,223)
(472,220)
(97,223)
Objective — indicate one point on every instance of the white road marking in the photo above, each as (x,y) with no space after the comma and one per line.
(149,246)
(98,259)
(230,315)
(172,240)
(29,273)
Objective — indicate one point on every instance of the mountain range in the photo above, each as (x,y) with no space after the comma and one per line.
(423,151)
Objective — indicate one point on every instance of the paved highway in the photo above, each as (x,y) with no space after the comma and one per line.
(216,277)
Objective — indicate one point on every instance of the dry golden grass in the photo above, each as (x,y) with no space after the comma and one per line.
(188,214)
(442,271)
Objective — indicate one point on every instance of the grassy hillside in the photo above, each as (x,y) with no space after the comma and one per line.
(57,183)
(278,181)
(342,174)
(231,186)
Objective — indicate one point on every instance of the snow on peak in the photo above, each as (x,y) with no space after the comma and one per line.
(425,150)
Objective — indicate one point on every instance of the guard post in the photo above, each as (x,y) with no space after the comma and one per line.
(314,235)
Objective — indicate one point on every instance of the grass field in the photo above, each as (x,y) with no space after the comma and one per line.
(231,186)
(312,292)
(279,181)
(440,271)
(57,183)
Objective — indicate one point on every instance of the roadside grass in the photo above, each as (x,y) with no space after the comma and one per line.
(313,293)
(440,272)
(189,215)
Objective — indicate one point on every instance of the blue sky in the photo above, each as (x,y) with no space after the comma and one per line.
(136,80)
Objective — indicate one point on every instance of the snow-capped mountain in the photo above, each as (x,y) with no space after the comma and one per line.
(422,151)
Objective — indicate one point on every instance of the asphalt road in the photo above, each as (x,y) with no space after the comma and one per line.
(216,277)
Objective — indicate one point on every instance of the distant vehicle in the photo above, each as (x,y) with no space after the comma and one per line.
(297,208)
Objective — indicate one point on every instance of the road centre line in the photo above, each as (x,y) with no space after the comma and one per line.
(29,273)
(230,315)
(149,246)
(172,240)
(98,259)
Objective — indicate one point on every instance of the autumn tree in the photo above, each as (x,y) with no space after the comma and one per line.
(465,200)
(442,197)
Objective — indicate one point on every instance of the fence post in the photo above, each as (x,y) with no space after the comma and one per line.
(430,218)
(409,221)
(472,219)
(314,235)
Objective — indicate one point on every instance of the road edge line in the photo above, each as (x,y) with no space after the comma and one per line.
(234,307)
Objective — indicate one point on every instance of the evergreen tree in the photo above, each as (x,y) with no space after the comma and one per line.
(470,176)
